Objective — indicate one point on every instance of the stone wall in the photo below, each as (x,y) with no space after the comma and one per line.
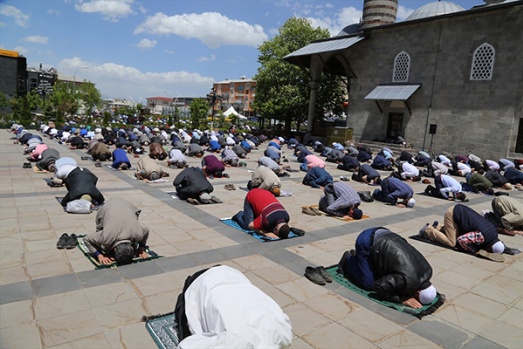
(481,117)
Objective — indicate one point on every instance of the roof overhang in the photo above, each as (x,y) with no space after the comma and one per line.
(393,92)
(302,57)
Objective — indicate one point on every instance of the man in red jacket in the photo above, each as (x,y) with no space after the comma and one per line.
(263,213)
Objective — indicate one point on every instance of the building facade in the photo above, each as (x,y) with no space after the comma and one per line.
(13,74)
(450,82)
(236,93)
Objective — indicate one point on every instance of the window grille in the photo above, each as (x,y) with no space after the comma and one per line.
(401,67)
(483,62)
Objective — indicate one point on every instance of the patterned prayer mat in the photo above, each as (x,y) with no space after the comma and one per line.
(85,250)
(163,331)
(508,250)
(419,313)
(257,236)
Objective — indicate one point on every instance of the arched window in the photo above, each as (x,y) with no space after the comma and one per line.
(401,67)
(483,62)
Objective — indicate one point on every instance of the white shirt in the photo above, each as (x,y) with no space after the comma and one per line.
(409,171)
(224,310)
(492,165)
(176,155)
(450,185)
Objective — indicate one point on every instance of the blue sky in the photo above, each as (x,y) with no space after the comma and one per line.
(136,49)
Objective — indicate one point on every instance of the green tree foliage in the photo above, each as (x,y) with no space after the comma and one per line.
(63,102)
(89,95)
(282,89)
(4,102)
(21,109)
(199,111)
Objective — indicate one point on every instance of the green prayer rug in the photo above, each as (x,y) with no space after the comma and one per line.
(163,331)
(94,260)
(423,311)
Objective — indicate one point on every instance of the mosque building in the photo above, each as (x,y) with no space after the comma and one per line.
(444,79)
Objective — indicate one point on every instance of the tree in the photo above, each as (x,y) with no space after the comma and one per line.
(199,111)
(90,96)
(282,89)
(63,102)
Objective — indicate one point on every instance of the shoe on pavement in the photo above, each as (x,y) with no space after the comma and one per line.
(98,164)
(297,231)
(313,275)
(343,178)
(193,201)
(324,274)
(316,211)
(72,240)
(496,257)
(308,210)
(62,241)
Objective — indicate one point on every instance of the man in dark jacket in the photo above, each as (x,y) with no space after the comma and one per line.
(47,162)
(467,230)
(81,182)
(386,263)
(192,185)
(393,189)
(317,177)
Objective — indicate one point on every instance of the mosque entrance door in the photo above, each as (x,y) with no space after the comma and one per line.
(519,140)
(395,125)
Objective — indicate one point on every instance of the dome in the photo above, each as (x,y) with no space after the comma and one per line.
(435,8)
(350,29)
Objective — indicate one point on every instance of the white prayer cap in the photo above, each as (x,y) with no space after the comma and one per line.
(411,202)
(498,247)
(427,295)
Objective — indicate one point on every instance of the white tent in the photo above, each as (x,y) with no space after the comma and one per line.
(231,110)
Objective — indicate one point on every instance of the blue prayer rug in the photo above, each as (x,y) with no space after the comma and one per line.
(259,237)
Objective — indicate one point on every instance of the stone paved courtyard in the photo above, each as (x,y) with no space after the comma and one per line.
(52,298)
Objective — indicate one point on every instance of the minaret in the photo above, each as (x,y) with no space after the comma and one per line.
(379,12)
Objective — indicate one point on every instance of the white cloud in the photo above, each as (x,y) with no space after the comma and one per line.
(111,10)
(53,12)
(170,52)
(146,43)
(21,50)
(403,13)
(207,59)
(20,18)
(343,18)
(36,39)
(211,28)
(116,80)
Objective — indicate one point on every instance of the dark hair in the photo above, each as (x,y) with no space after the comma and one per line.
(124,253)
(461,196)
(356,213)
(218,174)
(284,231)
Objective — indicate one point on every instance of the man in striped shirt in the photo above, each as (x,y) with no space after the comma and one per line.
(340,199)
(229,157)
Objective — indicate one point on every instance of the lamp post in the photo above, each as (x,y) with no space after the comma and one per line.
(212,99)
(74,78)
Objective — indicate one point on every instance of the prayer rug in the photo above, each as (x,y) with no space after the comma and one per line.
(94,260)
(163,331)
(59,199)
(37,170)
(508,250)
(159,180)
(419,313)
(259,237)
(346,219)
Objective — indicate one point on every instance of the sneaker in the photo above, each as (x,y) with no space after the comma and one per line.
(496,257)
(193,201)
(308,210)
(72,240)
(98,164)
(297,231)
(225,175)
(313,275)
(285,174)
(243,164)
(216,200)
(345,179)
(324,274)
(27,165)
(423,232)
(62,241)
